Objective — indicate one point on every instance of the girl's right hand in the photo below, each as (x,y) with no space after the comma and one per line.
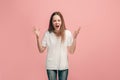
(37,32)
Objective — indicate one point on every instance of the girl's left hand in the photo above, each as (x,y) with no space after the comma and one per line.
(76,33)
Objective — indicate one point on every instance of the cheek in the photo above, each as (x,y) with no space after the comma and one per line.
(60,23)
(53,23)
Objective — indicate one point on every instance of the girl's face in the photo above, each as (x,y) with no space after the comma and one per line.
(56,21)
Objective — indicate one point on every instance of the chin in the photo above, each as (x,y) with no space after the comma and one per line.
(57,30)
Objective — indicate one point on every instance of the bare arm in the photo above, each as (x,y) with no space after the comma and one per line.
(72,48)
(40,47)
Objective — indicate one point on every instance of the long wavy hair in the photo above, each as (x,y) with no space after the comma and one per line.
(61,33)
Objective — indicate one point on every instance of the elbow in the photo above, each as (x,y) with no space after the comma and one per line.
(41,51)
(71,51)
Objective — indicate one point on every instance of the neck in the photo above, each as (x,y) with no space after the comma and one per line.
(56,31)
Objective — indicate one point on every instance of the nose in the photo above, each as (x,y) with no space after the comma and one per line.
(56,21)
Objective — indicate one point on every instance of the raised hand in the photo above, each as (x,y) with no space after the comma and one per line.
(75,34)
(36,31)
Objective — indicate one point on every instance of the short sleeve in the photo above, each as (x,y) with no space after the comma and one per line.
(44,40)
(69,38)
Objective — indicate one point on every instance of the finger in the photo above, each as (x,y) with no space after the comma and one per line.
(34,28)
(79,29)
(35,31)
(39,29)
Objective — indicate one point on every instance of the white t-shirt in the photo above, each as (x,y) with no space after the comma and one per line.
(57,57)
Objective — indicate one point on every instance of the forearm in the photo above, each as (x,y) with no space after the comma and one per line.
(40,48)
(73,46)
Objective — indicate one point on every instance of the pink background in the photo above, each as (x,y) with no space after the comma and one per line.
(97,56)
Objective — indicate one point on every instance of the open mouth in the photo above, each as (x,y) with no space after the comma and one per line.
(57,26)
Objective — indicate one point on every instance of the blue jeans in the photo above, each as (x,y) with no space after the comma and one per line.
(62,74)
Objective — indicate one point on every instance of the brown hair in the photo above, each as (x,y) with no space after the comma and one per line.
(61,33)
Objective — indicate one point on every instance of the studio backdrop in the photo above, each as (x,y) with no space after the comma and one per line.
(97,55)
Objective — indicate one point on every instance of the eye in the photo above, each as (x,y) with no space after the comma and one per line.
(59,20)
(54,20)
